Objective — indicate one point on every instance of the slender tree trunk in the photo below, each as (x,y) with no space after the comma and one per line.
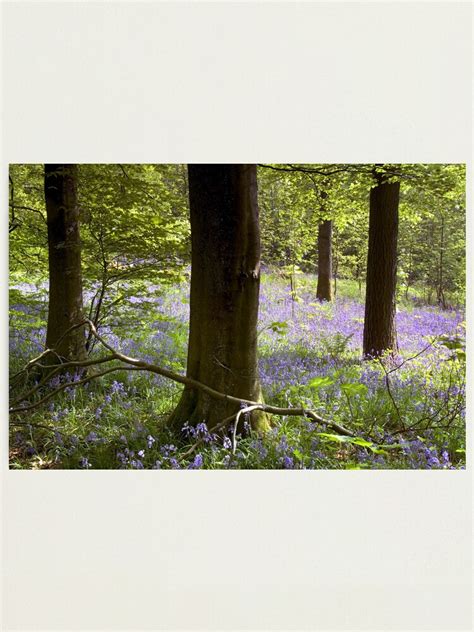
(335,263)
(409,272)
(225,283)
(64,249)
(359,277)
(379,324)
(324,290)
(440,285)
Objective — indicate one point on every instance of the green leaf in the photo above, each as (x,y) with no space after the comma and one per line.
(319,382)
(452,343)
(377,450)
(334,437)
(389,446)
(362,442)
(279,326)
(352,388)
(299,455)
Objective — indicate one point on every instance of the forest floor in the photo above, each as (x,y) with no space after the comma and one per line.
(406,412)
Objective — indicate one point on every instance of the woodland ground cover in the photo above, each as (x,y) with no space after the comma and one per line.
(405,412)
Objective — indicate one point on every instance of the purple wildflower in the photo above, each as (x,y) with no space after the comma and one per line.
(288,462)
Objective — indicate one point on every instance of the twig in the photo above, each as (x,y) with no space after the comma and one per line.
(242,411)
(34,425)
(399,366)
(389,391)
(60,368)
(22,409)
(27,208)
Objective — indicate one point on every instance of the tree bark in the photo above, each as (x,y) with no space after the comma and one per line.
(440,285)
(379,323)
(324,289)
(225,284)
(64,250)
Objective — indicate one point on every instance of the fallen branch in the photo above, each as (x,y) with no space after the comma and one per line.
(141,365)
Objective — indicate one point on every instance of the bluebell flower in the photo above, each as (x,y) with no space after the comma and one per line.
(55,381)
(188,430)
(445,458)
(121,457)
(84,462)
(150,441)
(283,444)
(288,462)
(197,463)
(431,458)
(167,449)
(117,388)
(201,428)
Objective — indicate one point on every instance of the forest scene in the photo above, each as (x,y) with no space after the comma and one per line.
(237,316)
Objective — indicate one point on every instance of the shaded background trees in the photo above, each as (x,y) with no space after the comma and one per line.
(324,290)
(135,231)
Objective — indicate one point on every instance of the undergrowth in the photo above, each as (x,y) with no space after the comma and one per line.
(405,411)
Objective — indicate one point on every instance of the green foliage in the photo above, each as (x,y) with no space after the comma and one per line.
(431,233)
(334,345)
(279,327)
(134,226)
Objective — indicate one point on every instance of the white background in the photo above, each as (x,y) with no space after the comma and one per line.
(234,82)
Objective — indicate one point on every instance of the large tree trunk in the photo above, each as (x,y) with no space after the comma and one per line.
(324,290)
(225,283)
(64,249)
(379,324)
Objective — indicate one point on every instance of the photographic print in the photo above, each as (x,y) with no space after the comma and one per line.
(238,304)
(237,316)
